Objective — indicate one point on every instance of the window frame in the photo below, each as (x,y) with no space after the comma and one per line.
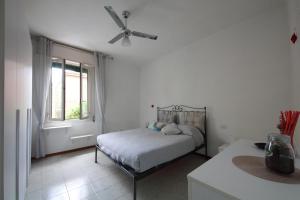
(62,91)
(88,95)
(63,103)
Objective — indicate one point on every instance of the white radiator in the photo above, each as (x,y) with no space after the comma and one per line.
(78,137)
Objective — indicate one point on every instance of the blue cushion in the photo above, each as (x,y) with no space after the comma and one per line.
(152,126)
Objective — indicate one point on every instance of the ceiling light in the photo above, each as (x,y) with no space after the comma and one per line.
(126,41)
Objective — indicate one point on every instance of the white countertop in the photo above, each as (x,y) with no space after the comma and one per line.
(220,174)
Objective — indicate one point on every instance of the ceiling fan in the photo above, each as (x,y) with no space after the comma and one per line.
(125,31)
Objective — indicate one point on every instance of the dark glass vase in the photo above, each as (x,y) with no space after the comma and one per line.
(280,155)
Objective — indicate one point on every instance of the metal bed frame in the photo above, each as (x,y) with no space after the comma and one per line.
(139,175)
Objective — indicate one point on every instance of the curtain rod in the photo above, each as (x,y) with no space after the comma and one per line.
(80,49)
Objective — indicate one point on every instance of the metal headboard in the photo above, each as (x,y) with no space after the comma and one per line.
(173,112)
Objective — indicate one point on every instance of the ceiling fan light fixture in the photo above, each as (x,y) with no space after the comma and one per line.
(125,32)
(126,41)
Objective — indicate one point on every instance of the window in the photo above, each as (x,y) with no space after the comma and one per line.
(69,90)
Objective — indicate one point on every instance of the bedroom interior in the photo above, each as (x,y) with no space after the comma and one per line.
(149,100)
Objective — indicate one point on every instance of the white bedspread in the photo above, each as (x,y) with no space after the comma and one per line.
(144,148)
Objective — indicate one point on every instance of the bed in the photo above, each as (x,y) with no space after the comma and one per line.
(140,152)
(144,148)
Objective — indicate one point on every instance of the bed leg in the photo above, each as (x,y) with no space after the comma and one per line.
(134,188)
(206,151)
(96,151)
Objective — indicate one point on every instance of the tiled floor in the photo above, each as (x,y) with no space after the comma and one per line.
(75,176)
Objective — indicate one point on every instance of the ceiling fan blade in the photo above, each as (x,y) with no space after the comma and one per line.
(118,37)
(115,17)
(144,35)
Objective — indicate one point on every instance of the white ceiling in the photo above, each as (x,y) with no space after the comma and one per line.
(177,23)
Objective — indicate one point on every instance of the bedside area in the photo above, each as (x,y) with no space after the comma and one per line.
(220,179)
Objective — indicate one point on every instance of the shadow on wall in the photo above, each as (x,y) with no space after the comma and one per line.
(215,138)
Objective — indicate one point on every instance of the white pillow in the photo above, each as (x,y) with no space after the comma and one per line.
(192,131)
(170,129)
(160,125)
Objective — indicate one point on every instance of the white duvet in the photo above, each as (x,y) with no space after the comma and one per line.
(144,148)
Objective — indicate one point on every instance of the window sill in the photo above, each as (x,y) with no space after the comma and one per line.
(70,121)
(56,125)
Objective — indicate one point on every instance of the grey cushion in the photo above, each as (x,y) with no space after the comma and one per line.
(160,125)
(171,129)
(192,131)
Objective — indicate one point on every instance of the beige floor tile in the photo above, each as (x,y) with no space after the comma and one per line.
(96,197)
(54,189)
(63,196)
(76,182)
(100,185)
(83,192)
(108,194)
(127,196)
(36,195)
(34,186)
(75,176)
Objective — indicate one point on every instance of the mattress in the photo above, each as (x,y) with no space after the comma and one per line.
(142,149)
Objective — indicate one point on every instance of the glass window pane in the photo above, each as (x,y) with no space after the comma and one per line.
(84,93)
(72,90)
(57,90)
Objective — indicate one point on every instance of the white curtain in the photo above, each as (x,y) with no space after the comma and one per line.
(100,64)
(42,50)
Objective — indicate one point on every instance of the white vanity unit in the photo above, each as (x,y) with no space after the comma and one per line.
(220,179)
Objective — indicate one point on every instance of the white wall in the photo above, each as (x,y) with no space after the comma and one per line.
(242,74)
(10,101)
(294,22)
(24,93)
(122,98)
(1,93)
(17,96)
